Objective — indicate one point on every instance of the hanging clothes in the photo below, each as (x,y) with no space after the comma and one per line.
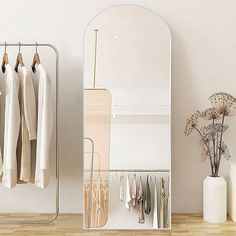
(162,203)
(87,192)
(133,192)
(166,222)
(44,128)
(94,205)
(1,138)
(98,210)
(28,124)
(122,188)
(105,204)
(127,194)
(140,201)
(147,203)
(155,209)
(11,127)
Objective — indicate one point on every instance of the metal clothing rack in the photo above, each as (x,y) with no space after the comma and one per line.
(52,218)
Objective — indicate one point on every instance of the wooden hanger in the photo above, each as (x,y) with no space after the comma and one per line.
(19,59)
(36,59)
(5,60)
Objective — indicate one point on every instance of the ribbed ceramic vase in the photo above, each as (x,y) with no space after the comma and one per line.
(232,191)
(214,199)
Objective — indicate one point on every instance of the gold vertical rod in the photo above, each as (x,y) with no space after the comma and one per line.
(95,58)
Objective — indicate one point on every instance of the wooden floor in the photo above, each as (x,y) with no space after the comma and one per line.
(71,225)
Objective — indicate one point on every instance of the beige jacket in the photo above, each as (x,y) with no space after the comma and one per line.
(11,127)
(28,124)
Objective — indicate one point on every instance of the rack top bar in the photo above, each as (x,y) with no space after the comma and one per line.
(132,170)
(24,44)
(32,45)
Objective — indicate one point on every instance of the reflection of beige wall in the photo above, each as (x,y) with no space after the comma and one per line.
(97,125)
(203,61)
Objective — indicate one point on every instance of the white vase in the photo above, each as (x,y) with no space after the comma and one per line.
(214,199)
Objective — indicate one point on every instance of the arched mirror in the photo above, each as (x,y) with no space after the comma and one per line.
(127,120)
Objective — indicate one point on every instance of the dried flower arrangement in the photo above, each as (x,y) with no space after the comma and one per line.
(211,135)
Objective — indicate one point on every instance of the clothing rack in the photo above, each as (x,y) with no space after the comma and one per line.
(52,218)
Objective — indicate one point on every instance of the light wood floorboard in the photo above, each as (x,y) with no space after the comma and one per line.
(71,225)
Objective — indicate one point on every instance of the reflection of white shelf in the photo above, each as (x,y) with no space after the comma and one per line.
(140,113)
(135,118)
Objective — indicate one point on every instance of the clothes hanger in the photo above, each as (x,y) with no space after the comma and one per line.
(36,59)
(5,60)
(150,178)
(19,59)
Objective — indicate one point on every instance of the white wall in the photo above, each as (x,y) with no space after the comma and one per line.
(203,62)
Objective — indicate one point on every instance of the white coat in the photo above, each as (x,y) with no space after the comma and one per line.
(11,127)
(28,123)
(0,142)
(155,210)
(44,128)
(127,196)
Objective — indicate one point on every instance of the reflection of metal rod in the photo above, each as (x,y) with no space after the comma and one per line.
(131,170)
(91,182)
(95,58)
(96,154)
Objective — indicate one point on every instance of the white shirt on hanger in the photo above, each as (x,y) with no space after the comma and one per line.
(44,128)
(11,127)
(28,123)
(155,210)
(127,195)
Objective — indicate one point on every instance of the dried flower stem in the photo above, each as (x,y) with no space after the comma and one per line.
(214,148)
(209,149)
(214,145)
(220,146)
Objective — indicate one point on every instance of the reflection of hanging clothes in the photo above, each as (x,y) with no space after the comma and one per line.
(11,128)
(105,203)
(97,212)
(147,203)
(28,124)
(101,204)
(162,204)
(166,225)
(86,203)
(133,192)
(122,188)
(127,194)
(94,204)
(140,201)
(44,128)
(155,209)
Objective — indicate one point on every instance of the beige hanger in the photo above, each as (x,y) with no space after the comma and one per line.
(5,60)
(36,59)
(19,59)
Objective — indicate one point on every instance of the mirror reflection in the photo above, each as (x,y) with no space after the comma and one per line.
(127,116)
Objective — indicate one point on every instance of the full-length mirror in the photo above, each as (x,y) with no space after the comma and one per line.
(127,120)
